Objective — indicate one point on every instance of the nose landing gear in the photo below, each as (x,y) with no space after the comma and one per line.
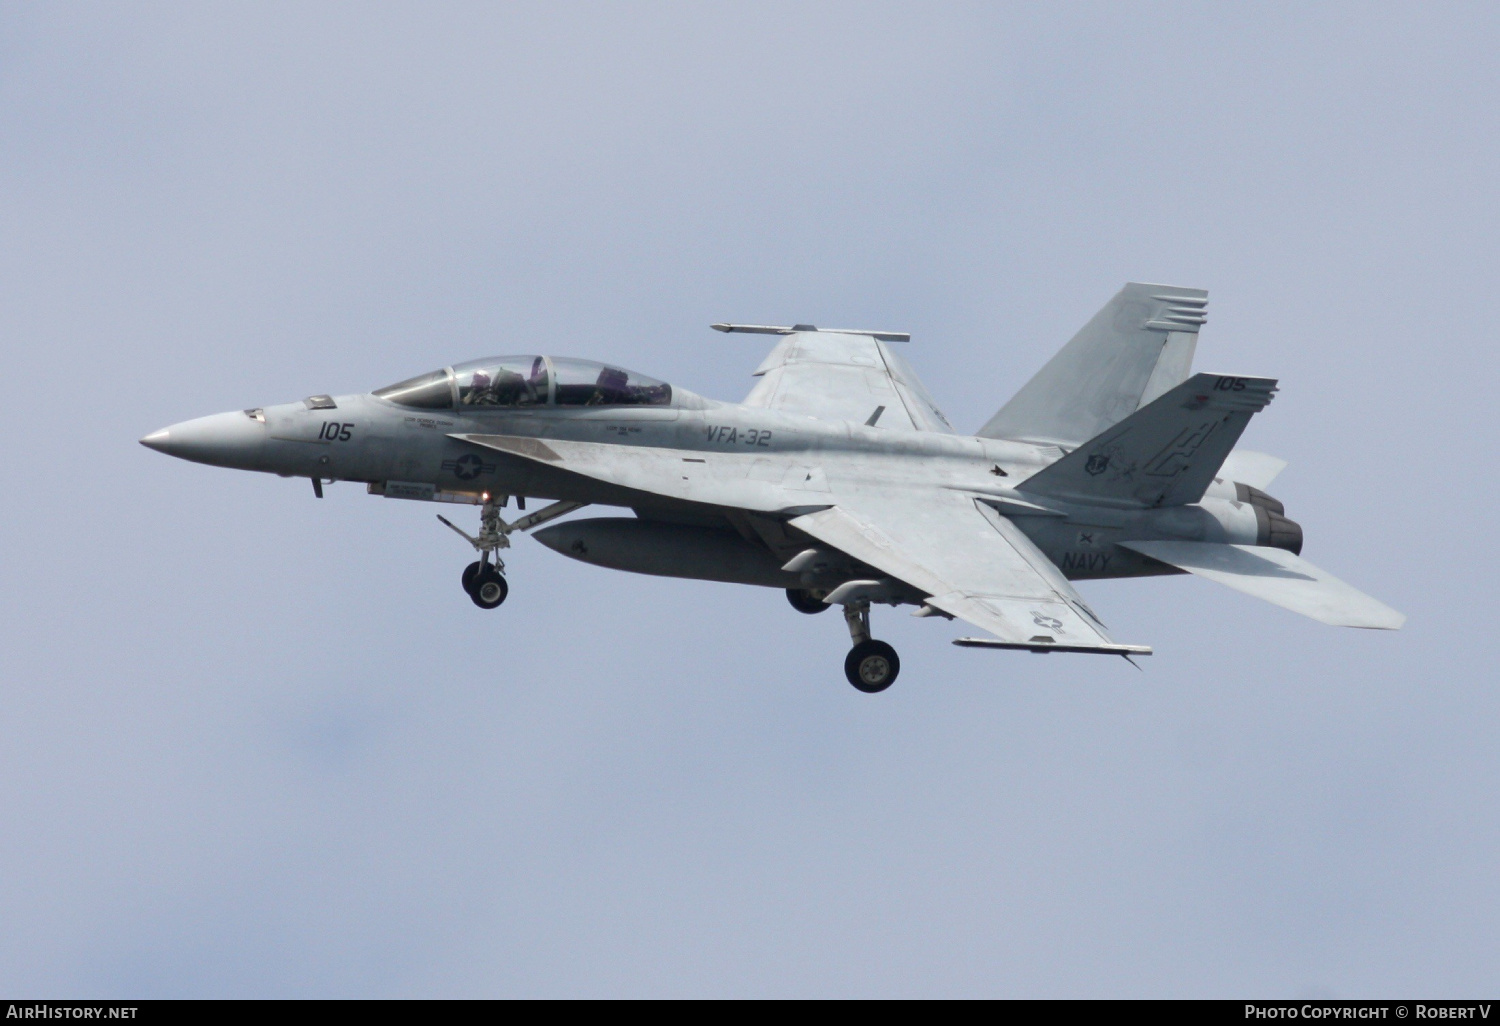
(871,665)
(484,579)
(486,586)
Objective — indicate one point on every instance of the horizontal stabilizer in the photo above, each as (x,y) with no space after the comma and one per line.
(1278,577)
(1256,469)
(1164,454)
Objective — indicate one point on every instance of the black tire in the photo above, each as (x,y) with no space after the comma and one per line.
(470,572)
(872,666)
(804,601)
(489,589)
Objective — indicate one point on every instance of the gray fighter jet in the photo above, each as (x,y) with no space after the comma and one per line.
(838,479)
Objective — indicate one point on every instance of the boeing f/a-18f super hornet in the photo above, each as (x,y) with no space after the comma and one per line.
(838,479)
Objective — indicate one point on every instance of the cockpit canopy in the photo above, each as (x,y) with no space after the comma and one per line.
(528,381)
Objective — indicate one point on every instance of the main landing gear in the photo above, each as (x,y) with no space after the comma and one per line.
(805,601)
(484,579)
(871,665)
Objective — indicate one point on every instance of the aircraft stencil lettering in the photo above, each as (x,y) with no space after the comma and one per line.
(810,486)
(1178,455)
(1090,561)
(729,435)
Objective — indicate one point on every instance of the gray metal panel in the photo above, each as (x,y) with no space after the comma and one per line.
(667,550)
(1136,348)
(1166,454)
(1256,469)
(974,564)
(1173,365)
(843,376)
(919,403)
(723,479)
(1278,577)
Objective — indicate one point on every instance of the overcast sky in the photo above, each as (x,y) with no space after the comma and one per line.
(256,744)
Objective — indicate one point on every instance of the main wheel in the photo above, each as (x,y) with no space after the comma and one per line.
(489,589)
(470,572)
(804,601)
(872,666)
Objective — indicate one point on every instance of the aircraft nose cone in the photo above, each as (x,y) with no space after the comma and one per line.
(158,440)
(223,440)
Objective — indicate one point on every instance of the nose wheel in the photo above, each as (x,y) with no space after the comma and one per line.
(484,579)
(487,588)
(871,665)
(470,572)
(485,585)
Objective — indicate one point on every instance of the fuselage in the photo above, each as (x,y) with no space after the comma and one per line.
(412,452)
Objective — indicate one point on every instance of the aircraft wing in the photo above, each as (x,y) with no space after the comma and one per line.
(835,375)
(974,563)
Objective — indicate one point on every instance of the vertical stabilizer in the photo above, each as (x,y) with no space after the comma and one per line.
(1134,350)
(1165,454)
